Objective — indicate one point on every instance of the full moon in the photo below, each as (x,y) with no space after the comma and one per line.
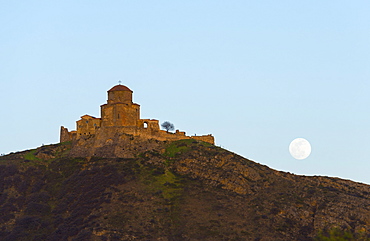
(300,148)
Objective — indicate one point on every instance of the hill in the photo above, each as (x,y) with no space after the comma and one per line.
(136,189)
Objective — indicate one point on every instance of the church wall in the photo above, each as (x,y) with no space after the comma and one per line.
(120,114)
(87,126)
(120,96)
(107,115)
(131,115)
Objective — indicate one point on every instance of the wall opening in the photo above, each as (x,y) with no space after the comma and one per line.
(145,125)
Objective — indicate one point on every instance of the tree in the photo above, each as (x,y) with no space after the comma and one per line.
(168,126)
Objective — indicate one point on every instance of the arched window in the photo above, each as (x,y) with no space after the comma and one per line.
(145,125)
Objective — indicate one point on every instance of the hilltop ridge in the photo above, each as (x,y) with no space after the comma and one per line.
(146,189)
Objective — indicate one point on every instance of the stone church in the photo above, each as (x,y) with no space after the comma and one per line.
(121,115)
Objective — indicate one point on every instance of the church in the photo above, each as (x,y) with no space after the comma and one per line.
(121,115)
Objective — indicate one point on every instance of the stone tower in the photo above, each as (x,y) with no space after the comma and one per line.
(120,110)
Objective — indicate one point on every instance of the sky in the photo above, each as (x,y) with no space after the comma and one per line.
(255,74)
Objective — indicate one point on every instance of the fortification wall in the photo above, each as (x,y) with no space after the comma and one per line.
(106,134)
(115,142)
(64,134)
(151,124)
(206,138)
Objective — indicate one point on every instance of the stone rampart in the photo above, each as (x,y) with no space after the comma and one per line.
(206,138)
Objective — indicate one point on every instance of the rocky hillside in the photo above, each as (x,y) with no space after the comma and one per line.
(133,189)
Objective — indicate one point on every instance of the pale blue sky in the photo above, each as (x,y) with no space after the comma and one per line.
(255,74)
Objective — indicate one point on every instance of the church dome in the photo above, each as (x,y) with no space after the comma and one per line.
(120,88)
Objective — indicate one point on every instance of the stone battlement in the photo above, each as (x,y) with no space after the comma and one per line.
(121,116)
